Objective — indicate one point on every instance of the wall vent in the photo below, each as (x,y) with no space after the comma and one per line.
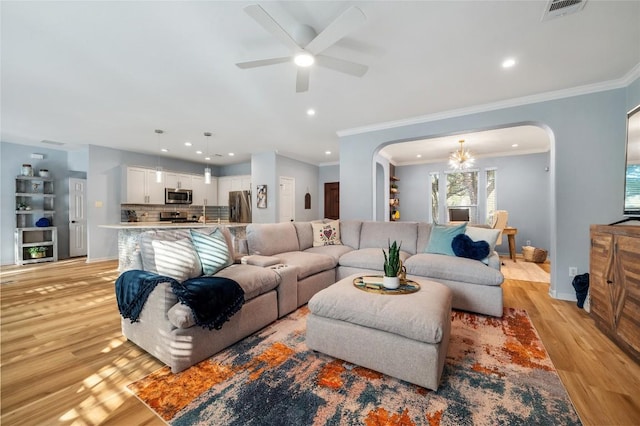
(52,142)
(557,8)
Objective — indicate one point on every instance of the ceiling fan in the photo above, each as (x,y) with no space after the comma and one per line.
(307,46)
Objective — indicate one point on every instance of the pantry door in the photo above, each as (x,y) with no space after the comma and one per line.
(77,217)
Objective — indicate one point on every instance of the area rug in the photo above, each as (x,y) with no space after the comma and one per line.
(524,271)
(497,372)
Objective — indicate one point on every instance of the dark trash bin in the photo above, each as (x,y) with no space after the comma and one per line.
(581,285)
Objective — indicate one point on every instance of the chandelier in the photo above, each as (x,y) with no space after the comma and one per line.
(461,159)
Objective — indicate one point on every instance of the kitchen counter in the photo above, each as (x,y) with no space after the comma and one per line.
(129,236)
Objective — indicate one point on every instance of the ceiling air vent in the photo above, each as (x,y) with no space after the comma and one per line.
(556,8)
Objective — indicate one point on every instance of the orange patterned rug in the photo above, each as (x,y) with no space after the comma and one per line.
(497,372)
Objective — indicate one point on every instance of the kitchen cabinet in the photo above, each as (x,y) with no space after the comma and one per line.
(35,200)
(614,287)
(227,184)
(178,180)
(141,187)
(204,194)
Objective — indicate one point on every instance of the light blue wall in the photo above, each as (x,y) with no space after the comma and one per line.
(234,169)
(306,179)
(12,156)
(522,185)
(587,135)
(330,173)
(263,172)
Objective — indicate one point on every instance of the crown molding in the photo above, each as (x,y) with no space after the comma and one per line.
(626,80)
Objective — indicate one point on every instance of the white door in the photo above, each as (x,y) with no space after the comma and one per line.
(77,217)
(287,199)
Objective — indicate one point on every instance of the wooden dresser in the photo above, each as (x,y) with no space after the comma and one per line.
(614,284)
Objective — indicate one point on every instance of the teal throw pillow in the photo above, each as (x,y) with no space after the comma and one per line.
(441,238)
(212,250)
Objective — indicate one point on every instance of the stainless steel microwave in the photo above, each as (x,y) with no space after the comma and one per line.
(178,196)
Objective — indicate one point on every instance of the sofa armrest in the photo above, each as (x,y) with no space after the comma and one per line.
(258,260)
(494,260)
(287,289)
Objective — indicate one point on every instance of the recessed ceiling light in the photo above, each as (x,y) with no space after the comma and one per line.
(231,154)
(327,152)
(515,145)
(164,150)
(187,144)
(311,111)
(419,155)
(207,158)
(508,63)
(198,152)
(304,59)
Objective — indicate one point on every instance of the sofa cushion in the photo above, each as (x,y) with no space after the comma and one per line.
(176,259)
(452,268)
(368,258)
(335,251)
(254,280)
(308,263)
(378,234)
(305,234)
(212,250)
(424,232)
(268,239)
(326,234)
(350,233)
(441,238)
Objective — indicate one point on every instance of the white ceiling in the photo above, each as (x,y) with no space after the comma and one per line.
(109,73)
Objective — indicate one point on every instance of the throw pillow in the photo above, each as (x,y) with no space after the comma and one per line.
(326,234)
(441,238)
(212,250)
(464,246)
(177,259)
(489,235)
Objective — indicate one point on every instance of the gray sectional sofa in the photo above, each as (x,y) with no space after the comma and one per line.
(284,269)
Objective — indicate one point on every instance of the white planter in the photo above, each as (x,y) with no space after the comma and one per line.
(391,282)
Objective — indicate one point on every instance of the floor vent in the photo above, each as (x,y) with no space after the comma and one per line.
(557,8)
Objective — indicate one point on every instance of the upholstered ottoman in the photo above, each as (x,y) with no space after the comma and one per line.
(405,336)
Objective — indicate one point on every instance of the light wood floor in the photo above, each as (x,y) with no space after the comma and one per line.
(65,362)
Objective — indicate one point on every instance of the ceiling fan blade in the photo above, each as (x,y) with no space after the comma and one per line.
(263,62)
(347,67)
(302,80)
(271,25)
(340,27)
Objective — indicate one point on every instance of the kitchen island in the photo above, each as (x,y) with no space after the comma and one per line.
(129,237)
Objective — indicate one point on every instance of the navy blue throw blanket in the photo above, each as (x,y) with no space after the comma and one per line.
(213,300)
(132,290)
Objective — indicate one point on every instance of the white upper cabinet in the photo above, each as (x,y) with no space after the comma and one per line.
(227,184)
(141,187)
(178,180)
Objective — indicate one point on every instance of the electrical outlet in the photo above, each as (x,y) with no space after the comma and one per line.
(573,271)
(528,242)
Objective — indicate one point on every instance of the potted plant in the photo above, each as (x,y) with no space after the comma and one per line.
(392,266)
(22,206)
(37,252)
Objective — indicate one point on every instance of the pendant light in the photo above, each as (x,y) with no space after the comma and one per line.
(207,169)
(158,168)
(461,159)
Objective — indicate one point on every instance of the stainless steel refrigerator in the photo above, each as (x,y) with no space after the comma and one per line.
(240,206)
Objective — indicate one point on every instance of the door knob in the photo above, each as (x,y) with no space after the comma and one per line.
(73,221)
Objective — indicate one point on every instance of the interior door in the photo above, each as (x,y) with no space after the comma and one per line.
(77,217)
(332,200)
(287,199)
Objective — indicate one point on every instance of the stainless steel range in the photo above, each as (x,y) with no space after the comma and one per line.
(177,217)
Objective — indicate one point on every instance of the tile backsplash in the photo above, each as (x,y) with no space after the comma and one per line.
(147,213)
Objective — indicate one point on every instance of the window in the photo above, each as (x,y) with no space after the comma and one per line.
(491,205)
(462,191)
(435,185)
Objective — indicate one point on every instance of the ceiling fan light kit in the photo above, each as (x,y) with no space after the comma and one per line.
(306,54)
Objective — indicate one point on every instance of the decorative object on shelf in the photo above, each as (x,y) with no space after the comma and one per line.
(26,170)
(36,187)
(22,206)
(43,173)
(37,252)
(392,266)
(158,167)
(394,201)
(262,196)
(461,159)
(43,222)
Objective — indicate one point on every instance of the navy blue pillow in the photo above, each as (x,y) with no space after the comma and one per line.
(464,246)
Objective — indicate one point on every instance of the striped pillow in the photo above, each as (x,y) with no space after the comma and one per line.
(212,250)
(176,259)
